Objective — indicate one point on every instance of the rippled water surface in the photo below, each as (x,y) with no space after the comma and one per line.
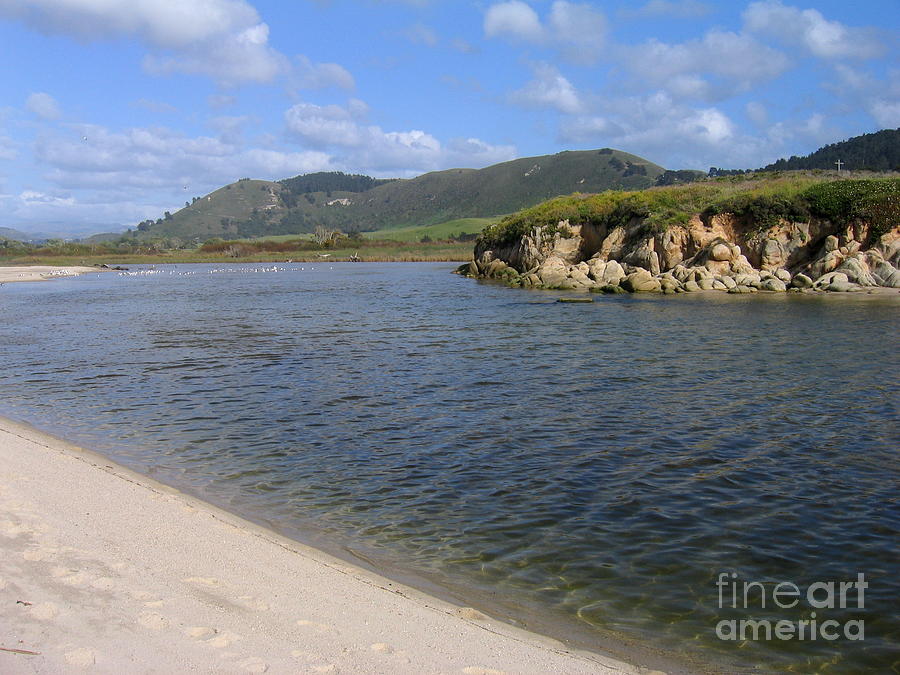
(590,470)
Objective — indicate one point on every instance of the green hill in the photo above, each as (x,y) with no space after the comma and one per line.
(879,151)
(15,235)
(254,208)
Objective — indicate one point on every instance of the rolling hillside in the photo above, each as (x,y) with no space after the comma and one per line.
(251,208)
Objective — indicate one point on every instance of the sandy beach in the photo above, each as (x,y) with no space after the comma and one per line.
(106,571)
(41,272)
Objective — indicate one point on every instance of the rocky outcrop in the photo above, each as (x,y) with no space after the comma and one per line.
(718,253)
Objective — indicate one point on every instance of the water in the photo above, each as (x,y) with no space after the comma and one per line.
(589,470)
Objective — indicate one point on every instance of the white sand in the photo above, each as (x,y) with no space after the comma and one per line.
(106,571)
(41,272)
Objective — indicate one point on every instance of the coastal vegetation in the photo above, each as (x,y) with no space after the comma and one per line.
(773,231)
(761,198)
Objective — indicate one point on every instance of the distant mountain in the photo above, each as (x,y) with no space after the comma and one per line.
(9,233)
(879,151)
(296,205)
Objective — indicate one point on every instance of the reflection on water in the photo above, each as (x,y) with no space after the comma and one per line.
(600,464)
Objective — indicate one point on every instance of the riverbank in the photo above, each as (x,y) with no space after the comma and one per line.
(40,272)
(109,571)
(393,251)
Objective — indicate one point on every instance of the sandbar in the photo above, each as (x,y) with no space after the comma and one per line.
(104,570)
(41,272)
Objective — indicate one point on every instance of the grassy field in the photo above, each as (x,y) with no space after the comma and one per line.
(380,252)
(446,230)
(441,231)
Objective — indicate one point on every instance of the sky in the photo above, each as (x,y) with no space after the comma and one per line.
(113,111)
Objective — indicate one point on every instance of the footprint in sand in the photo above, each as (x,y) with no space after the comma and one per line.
(254,665)
(144,596)
(153,621)
(224,640)
(39,554)
(318,627)
(330,669)
(255,604)
(200,632)
(46,611)
(81,657)
(470,614)
(386,649)
(11,530)
(103,583)
(76,580)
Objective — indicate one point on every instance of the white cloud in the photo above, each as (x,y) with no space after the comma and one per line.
(363,147)
(324,126)
(549,89)
(656,126)
(757,113)
(309,75)
(158,107)
(807,27)
(44,106)
(886,112)
(152,158)
(223,39)
(734,62)
(879,97)
(676,8)
(577,29)
(463,46)
(218,101)
(513,19)
(420,34)
(7,148)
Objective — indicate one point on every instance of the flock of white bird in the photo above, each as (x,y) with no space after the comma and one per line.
(223,270)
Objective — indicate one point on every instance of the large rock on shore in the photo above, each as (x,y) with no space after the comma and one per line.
(720,253)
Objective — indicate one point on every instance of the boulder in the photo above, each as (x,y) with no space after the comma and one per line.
(773,284)
(886,275)
(783,275)
(740,265)
(613,273)
(772,254)
(641,282)
(494,269)
(742,289)
(858,272)
(721,251)
(691,286)
(706,284)
(668,284)
(842,287)
(826,280)
(726,281)
(801,281)
(832,243)
(596,268)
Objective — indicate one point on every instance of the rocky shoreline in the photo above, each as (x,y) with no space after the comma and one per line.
(722,253)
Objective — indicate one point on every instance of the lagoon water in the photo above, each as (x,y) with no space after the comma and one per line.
(589,470)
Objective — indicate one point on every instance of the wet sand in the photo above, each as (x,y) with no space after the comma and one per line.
(41,272)
(107,571)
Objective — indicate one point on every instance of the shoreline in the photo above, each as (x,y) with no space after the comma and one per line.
(167,581)
(19,273)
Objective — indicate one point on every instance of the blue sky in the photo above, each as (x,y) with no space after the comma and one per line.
(112,111)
